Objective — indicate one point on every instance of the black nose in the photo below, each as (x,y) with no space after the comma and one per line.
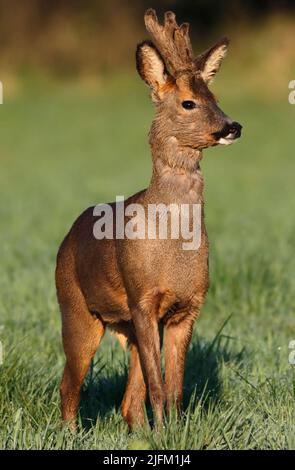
(235,128)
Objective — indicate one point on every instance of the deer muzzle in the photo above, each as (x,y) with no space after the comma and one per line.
(229,133)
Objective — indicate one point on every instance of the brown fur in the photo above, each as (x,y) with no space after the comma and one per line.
(135,286)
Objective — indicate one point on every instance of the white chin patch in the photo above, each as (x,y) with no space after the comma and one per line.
(225,141)
(229,139)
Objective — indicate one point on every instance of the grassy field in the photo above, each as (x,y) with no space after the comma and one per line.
(63,150)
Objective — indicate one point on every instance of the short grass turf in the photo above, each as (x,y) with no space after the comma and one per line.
(65,149)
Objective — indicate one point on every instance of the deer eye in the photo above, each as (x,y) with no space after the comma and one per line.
(188,104)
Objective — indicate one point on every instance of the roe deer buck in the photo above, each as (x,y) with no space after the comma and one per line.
(136,287)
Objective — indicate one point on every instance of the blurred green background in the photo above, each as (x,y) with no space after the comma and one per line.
(73,133)
(85,41)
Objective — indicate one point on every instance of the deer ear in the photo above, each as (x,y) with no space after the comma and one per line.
(151,67)
(209,62)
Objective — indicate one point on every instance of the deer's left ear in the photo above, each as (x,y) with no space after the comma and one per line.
(209,62)
(151,67)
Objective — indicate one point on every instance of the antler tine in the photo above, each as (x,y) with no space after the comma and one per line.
(184,43)
(170,24)
(171,40)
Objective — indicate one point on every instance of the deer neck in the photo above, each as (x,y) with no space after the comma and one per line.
(176,176)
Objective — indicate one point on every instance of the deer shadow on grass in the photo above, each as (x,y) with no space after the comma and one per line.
(105,384)
(103,389)
(203,379)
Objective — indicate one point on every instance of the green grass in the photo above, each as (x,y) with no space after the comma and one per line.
(64,150)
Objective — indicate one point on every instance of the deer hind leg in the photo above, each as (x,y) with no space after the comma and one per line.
(81,334)
(177,339)
(81,338)
(133,404)
(148,340)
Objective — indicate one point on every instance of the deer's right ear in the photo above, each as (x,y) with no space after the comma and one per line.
(151,67)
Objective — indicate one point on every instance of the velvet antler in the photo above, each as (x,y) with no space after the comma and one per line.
(171,40)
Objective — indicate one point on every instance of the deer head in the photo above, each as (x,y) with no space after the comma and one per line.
(186,108)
